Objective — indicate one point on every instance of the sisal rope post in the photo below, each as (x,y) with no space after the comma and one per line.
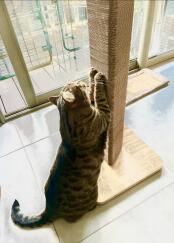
(110,25)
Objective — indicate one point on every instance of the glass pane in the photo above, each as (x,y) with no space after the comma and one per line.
(29,28)
(53,36)
(11,95)
(163,30)
(136,28)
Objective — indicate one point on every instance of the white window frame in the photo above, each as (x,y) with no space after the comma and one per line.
(143,60)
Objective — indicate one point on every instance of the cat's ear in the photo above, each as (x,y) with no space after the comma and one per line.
(53,99)
(68,96)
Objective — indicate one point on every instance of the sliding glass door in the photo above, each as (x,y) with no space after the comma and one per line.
(44,45)
(53,38)
(11,95)
(16,90)
(163,29)
(162,38)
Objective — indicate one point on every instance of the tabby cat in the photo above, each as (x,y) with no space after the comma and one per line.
(71,189)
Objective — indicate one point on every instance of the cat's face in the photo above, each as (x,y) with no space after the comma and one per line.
(73,95)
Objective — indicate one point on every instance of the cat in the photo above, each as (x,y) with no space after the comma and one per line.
(71,189)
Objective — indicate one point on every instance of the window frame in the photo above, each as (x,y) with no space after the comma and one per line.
(143,59)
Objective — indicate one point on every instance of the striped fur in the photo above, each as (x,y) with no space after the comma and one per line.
(71,189)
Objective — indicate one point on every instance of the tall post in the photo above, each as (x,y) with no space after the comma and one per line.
(110,25)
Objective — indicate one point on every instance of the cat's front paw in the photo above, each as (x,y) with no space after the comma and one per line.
(92,73)
(100,78)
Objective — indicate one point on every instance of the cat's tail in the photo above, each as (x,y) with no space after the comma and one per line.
(25,221)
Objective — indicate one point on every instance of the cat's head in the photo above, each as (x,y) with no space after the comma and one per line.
(73,95)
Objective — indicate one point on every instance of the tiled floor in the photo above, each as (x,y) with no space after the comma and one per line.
(143,214)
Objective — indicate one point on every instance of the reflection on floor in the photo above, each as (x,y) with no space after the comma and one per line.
(143,214)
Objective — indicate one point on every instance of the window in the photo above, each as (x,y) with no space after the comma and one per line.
(136,28)
(82,13)
(53,38)
(163,29)
(11,95)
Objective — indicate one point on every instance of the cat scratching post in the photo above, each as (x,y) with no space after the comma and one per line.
(110,24)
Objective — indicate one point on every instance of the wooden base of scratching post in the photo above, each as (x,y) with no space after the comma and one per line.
(136,163)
